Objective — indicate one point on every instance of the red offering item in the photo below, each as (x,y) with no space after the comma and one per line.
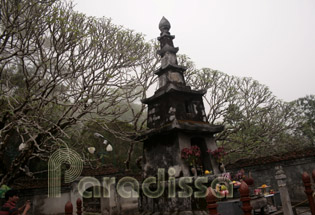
(257,192)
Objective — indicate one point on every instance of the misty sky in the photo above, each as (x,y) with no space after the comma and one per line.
(272,41)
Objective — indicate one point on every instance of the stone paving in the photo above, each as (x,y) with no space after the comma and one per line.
(306,211)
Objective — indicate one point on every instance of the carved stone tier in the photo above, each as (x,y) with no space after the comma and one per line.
(176,121)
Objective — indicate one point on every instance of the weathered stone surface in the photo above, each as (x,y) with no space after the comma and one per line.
(164,26)
(177,120)
(293,168)
(284,194)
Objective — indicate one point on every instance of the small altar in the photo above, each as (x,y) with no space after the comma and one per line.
(261,205)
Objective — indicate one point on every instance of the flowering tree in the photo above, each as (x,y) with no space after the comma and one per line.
(60,69)
(255,121)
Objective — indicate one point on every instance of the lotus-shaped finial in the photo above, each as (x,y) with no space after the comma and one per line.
(164,25)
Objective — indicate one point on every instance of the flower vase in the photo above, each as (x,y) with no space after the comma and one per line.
(221,167)
(193,171)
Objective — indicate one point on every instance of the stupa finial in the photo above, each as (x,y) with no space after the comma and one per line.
(164,26)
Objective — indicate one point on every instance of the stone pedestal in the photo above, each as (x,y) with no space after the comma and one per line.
(192,201)
(284,194)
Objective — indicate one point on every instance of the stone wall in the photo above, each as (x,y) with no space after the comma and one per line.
(264,173)
(43,205)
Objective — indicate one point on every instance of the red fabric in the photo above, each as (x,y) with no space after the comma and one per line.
(9,208)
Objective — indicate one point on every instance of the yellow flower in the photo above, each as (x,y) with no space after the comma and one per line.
(207,172)
(223,187)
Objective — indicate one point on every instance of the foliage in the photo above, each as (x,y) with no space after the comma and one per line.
(60,69)
(305,109)
(256,122)
(118,157)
